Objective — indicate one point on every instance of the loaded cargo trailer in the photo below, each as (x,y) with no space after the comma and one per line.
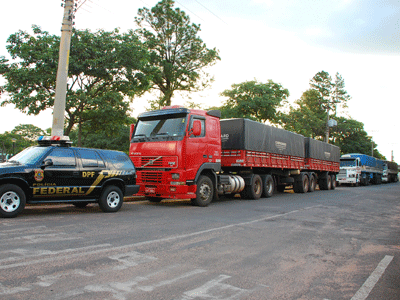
(191,154)
(360,169)
(390,172)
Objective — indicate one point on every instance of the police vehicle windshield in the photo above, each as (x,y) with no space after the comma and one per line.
(29,156)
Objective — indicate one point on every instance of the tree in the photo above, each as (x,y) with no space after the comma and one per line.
(21,137)
(309,118)
(254,100)
(351,137)
(103,72)
(178,56)
(28,132)
(332,94)
(322,102)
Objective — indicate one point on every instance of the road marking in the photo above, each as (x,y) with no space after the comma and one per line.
(108,247)
(369,284)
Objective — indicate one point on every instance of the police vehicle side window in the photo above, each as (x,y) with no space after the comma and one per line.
(62,157)
(90,158)
(119,159)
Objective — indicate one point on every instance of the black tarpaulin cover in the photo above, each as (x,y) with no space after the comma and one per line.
(321,150)
(244,134)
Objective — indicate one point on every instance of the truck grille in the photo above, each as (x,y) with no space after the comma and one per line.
(170,162)
(150,177)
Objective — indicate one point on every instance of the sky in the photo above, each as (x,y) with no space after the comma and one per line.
(287,41)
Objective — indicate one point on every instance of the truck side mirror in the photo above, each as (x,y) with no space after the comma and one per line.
(196,128)
(132,129)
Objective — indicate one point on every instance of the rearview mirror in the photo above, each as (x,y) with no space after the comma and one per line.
(196,128)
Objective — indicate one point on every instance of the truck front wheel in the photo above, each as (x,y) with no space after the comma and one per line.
(12,200)
(204,192)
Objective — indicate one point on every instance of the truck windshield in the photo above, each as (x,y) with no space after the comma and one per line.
(161,127)
(348,163)
(29,155)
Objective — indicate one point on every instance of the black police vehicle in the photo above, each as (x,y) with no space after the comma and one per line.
(54,171)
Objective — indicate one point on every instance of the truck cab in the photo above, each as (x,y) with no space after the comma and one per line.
(172,148)
(350,170)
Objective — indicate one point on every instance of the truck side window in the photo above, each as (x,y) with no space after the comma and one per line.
(203,126)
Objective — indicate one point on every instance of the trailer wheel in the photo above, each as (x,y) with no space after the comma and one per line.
(301,183)
(12,200)
(254,189)
(313,183)
(204,192)
(333,182)
(268,186)
(325,182)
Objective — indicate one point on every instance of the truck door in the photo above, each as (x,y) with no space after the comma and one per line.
(196,148)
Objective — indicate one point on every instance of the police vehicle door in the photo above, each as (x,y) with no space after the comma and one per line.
(91,168)
(60,179)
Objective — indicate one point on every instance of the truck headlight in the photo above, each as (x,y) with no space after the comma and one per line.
(175,175)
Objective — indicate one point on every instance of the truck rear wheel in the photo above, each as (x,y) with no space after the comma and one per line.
(254,189)
(204,192)
(301,183)
(268,186)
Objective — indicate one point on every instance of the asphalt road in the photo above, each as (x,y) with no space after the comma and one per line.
(326,245)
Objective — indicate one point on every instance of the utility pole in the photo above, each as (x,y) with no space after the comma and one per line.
(62,72)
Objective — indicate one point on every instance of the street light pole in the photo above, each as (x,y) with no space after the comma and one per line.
(62,72)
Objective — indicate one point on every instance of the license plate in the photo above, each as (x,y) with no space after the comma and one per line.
(150,190)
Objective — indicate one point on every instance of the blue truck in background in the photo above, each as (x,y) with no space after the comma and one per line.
(360,169)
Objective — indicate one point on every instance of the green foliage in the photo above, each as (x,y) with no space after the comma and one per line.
(103,72)
(21,137)
(309,118)
(351,137)
(177,55)
(115,138)
(254,100)
(29,132)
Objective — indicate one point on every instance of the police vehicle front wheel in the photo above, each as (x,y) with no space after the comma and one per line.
(12,200)
(111,199)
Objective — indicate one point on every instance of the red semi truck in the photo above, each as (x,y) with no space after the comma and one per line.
(182,153)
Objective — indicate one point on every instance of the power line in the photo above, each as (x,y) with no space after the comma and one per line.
(211,12)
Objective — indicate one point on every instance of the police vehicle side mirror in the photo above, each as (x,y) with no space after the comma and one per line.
(47,163)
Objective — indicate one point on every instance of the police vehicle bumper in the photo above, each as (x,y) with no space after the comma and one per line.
(131,189)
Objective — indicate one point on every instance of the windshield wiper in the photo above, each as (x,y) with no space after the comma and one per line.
(163,133)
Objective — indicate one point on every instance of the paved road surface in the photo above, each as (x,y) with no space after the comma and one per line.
(326,245)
